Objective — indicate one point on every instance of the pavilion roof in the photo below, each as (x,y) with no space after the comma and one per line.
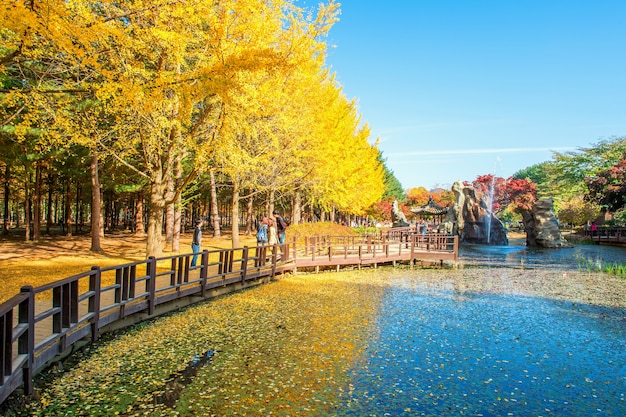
(431,208)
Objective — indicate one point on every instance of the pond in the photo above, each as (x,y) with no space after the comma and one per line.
(496,340)
(438,352)
(518,255)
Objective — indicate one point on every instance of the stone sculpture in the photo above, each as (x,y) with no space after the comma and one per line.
(542,226)
(472,220)
(397,217)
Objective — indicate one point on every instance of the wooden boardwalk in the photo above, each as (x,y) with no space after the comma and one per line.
(611,236)
(328,251)
(40,325)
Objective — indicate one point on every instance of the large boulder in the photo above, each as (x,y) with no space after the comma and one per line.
(471,218)
(542,226)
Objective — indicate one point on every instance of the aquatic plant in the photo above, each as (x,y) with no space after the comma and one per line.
(616,268)
(596,265)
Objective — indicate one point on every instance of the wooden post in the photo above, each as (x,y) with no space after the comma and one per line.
(244,264)
(274,259)
(173,272)
(133,281)
(151,272)
(204,272)
(220,265)
(26,342)
(94,302)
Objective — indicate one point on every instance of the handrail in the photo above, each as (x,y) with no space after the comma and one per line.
(79,308)
(406,245)
(608,235)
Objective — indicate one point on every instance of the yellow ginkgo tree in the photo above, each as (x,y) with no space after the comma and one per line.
(344,173)
(266,124)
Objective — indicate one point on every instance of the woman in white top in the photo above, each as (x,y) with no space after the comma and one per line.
(273,234)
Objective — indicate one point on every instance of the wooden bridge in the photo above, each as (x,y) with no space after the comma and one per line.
(402,245)
(41,325)
(613,235)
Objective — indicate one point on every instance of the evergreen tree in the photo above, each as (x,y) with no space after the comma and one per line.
(393,187)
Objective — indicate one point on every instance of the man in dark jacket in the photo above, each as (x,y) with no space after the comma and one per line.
(196,241)
(281,227)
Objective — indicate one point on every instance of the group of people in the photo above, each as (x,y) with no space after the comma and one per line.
(591,228)
(271,231)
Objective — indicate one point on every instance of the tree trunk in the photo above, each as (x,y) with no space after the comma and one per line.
(37,202)
(169,215)
(297,208)
(249,217)
(178,211)
(7,189)
(155,218)
(139,223)
(215,215)
(235,214)
(96,205)
(271,195)
(101,227)
(27,209)
(49,219)
(177,206)
(77,216)
(68,208)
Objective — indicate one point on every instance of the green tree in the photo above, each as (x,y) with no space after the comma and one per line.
(608,187)
(393,187)
(567,172)
(538,174)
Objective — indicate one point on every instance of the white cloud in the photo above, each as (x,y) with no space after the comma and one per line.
(477,151)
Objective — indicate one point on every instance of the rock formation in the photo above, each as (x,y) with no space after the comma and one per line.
(398,218)
(472,220)
(542,226)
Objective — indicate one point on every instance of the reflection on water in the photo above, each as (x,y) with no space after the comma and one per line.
(439,352)
(518,255)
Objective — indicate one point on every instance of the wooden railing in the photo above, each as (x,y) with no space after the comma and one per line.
(41,324)
(609,235)
(319,251)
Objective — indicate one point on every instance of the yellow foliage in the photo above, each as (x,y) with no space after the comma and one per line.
(284,346)
(300,231)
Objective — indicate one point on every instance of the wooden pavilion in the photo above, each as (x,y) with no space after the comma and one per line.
(431,210)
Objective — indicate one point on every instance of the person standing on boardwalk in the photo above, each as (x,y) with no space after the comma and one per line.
(273,235)
(196,241)
(281,227)
(262,232)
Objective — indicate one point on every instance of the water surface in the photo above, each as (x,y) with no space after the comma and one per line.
(517,254)
(437,352)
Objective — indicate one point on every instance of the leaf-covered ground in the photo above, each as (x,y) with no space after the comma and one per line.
(280,349)
(306,345)
(53,258)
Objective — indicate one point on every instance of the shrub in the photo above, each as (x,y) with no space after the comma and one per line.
(299,231)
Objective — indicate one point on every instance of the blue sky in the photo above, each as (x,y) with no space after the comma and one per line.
(457,89)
